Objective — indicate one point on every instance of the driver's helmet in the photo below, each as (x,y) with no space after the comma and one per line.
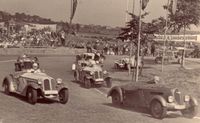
(156,79)
(35,66)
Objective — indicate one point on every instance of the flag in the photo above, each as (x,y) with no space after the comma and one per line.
(144,4)
(174,4)
(73,9)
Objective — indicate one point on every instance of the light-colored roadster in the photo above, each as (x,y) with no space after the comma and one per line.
(34,84)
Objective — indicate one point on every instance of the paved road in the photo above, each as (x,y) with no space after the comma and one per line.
(85,105)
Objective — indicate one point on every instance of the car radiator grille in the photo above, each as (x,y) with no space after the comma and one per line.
(49,85)
(98,74)
(178,97)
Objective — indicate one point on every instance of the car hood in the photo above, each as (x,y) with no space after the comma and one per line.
(144,85)
(93,68)
(36,76)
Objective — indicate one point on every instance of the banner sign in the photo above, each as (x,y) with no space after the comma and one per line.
(178,38)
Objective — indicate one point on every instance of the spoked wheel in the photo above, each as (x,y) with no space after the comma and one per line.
(190,112)
(63,96)
(32,95)
(6,88)
(116,98)
(157,110)
(87,83)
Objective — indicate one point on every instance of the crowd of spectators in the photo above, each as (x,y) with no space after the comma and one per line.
(34,38)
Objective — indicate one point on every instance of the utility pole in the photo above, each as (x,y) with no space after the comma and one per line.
(165,36)
(131,49)
(138,44)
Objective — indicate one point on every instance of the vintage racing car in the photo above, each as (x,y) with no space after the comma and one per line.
(29,81)
(170,57)
(84,57)
(124,62)
(91,74)
(157,98)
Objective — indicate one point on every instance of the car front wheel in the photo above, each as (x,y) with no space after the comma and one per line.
(108,82)
(87,83)
(190,112)
(76,76)
(32,95)
(63,96)
(116,98)
(157,110)
(6,88)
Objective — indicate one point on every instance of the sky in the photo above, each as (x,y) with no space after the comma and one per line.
(98,12)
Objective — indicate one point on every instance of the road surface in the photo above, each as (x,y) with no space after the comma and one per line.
(84,106)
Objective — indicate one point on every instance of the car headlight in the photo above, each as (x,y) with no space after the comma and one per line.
(91,72)
(105,72)
(170,99)
(39,81)
(59,80)
(187,98)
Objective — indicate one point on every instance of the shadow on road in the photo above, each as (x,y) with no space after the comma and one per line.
(143,111)
(82,85)
(24,99)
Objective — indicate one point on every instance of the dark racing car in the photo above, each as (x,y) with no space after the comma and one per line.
(156,97)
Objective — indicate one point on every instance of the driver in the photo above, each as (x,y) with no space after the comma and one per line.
(155,80)
(35,68)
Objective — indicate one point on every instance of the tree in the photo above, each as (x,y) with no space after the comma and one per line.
(187,14)
(130,32)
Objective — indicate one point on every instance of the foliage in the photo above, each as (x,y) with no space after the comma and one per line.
(130,32)
(187,14)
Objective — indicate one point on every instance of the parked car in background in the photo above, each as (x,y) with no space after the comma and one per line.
(124,62)
(156,97)
(169,57)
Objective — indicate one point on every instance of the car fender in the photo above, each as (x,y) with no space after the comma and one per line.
(10,81)
(193,101)
(62,86)
(31,85)
(161,99)
(117,89)
(88,76)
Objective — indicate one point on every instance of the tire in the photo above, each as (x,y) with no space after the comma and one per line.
(108,83)
(63,96)
(190,112)
(6,88)
(116,98)
(157,110)
(32,96)
(76,76)
(87,83)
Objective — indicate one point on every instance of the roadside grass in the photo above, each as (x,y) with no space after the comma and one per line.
(186,80)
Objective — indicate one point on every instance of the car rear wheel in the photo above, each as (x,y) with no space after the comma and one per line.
(157,110)
(190,112)
(6,88)
(87,83)
(116,98)
(63,96)
(32,95)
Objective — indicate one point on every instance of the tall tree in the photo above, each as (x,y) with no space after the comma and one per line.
(130,32)
(187,14)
